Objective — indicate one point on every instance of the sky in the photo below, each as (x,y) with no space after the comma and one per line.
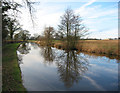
(99,16)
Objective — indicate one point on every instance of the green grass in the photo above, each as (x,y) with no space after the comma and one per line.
(11,74)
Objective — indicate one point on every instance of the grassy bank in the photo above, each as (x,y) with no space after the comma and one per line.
(106,47)
(11,73)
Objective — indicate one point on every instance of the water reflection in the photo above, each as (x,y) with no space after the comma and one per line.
(95,55)
(65,69)
(24,48)
(35,46)
(20,59)
(71,67)
(48,55)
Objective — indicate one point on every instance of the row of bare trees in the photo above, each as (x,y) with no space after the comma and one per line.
(71,29)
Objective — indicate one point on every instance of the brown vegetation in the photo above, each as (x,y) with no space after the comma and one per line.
(107,47)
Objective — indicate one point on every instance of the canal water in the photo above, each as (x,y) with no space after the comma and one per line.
(51,69)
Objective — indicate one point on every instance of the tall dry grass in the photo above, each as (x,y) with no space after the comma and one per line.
(109,47)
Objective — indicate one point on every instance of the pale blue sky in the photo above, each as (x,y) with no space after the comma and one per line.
(100,17)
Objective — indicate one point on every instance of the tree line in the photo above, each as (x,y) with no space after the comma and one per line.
(70,29)
(11,28)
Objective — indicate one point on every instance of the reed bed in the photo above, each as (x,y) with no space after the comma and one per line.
(109,47)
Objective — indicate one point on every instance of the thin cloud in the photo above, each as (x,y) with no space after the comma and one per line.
(104,13)
(94,83)
(93,17)
(87,4)
(113,33)
(82,8)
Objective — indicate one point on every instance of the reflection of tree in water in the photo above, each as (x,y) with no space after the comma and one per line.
(34,45)
(23,49)
(48,54)
(20,59)
(71,67)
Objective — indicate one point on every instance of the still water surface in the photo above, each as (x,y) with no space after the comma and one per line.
(51,69)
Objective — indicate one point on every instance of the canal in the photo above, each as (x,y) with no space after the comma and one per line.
(52,69)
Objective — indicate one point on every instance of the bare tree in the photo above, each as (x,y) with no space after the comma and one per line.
(72,28)
(48,32)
